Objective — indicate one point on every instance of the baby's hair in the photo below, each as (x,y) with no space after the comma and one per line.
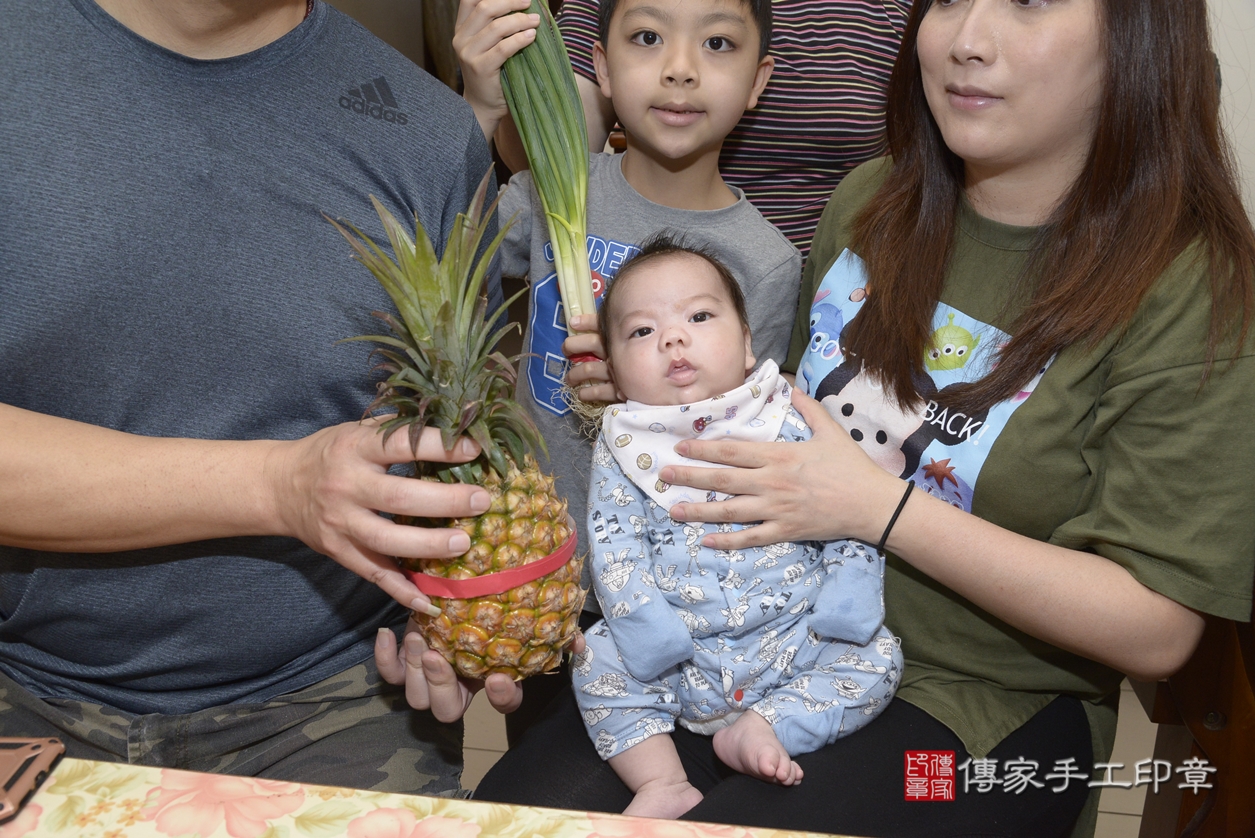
(760,9)
(658,246)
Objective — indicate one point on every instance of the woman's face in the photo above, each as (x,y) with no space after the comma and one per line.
(1013,83)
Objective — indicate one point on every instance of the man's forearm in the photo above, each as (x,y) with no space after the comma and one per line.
(71,486)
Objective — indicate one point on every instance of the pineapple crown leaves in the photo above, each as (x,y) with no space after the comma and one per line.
(440,360)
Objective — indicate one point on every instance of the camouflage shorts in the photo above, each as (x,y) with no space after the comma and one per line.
(351,730)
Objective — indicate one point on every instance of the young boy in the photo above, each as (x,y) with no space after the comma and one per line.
(776,651)
(680,77)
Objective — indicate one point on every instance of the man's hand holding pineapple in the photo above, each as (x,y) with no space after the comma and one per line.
(323,489)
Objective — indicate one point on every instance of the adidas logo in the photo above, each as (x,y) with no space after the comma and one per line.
(374,99)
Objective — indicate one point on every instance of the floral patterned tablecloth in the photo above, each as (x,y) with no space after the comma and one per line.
(84,799)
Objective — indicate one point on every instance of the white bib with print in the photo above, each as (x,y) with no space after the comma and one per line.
(642,437)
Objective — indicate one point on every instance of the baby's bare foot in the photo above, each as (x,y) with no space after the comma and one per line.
(750,746)
(663,799)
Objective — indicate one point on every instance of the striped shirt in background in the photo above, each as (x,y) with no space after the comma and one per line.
(822,114)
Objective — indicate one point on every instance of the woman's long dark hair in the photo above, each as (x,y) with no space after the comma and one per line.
(1159,176)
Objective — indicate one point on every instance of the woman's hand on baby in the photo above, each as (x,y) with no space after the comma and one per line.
(784,486)
(430,682)
(591,378)
(488,32)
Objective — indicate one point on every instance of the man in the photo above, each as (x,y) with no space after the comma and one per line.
(178,434)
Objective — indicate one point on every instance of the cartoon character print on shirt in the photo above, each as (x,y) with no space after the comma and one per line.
(941,449)
(547,367)
(893,438)
(950,346)
(825,327)
(838,298)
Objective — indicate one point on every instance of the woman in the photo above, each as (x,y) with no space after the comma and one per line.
(1060,203)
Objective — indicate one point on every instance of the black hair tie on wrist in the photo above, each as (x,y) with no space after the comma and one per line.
(910,484)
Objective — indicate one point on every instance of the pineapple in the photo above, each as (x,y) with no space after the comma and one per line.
(444,371)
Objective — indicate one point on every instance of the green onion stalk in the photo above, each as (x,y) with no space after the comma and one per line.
(540,91)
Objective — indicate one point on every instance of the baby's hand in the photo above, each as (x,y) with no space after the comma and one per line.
(591,379)
(486,34)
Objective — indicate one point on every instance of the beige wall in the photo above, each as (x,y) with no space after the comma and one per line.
(1233,33)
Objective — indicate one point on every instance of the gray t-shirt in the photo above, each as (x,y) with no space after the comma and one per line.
(165,270)
(766,266)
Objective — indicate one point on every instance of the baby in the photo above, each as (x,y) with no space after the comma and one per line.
(774,650)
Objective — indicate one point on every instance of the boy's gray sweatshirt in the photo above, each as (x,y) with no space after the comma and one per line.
(766,266)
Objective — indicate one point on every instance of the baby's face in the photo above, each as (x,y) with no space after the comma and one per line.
(676,337)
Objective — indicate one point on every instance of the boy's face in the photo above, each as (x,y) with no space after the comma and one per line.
(681,72)
(676,337)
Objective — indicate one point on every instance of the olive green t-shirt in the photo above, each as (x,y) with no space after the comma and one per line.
(1118,449)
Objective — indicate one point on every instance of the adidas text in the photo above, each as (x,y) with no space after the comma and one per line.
(374,99)
(376,111)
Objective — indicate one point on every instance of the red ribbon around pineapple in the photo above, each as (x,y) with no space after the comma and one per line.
(494,583)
